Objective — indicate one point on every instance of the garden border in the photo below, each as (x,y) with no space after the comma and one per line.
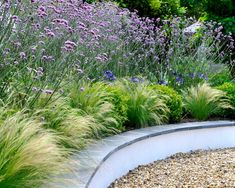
(92,159)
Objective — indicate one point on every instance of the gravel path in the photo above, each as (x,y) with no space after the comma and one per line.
(197,169)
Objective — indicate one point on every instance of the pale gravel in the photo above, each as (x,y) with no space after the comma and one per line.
(199,169)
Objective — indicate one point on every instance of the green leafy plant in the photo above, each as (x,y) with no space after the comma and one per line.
(119,100)
(174,101)
(229,89)
(29,154)
(145,107)
(203,101)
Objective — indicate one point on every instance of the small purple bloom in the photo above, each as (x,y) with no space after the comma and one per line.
(15,18)
(48,91)
(22,55)
(50,34)
(163,82)
(192,75)
(200,75)
(179,80)
(135,79)
(109,75)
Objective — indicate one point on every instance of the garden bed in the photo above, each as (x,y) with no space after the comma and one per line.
(73,73)
(212,168)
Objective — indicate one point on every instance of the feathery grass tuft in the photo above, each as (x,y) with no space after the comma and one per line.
(145,107)
(95,100)
(74,129)
(29,155)
(203,101)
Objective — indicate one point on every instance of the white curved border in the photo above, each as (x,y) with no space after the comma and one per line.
(159,147)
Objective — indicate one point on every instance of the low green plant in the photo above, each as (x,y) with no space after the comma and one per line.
(229,89)
(29,154)
(202,101)
(145,107)
(174,101)
(119,100)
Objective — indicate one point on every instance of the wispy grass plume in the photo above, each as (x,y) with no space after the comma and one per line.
(29,155)
(203,101)
(145,107)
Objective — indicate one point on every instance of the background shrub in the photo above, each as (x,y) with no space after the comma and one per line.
(229,89)
(173,102)
(157,8)
(119,99)
(218,10)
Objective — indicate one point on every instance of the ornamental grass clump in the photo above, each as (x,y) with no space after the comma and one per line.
(145,107)
(95,100)
(29,154)
(76,129)
(202,101)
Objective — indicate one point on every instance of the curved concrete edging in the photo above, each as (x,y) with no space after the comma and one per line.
(113,157)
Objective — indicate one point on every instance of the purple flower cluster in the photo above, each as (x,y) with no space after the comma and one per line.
(104,37)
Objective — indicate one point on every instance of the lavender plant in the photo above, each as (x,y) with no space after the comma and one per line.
(47,43)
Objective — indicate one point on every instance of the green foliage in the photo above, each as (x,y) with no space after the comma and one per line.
(221,8)
(221,77)
(212,7)
(228,24)
(29,155)
(218,10)
(145,107)
(229,89)
(119,100)
(203,101)
(174,102)
(151,8)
